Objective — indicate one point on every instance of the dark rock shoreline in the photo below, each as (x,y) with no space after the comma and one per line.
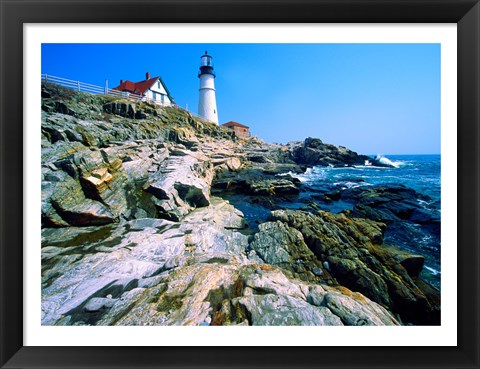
(136,228)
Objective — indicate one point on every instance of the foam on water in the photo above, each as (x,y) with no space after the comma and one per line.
(384,160)
(367,167)
(294,175)
(310,175)
(350,184)
(433,271)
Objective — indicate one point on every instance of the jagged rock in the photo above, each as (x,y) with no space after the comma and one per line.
(136,251)
(121,307)
(212,281)
(357,275)
(314,152)
(184,136)
(259,152)
(99,180)
(98,303)
(354,309)
(258,158)
(274,310)
(357,259)
(228,163)
(233,163)
(216,293)
(140,115)
(273,282)
(270,298)
(392,256)
(316,295)
(219,212)
(120,108)
(389,203)
(257,182)
(273,187)
(65,204)
(180,185)
(98,196)
(87,213)
(62,108)
(278,244)
(183,297)
(274,240)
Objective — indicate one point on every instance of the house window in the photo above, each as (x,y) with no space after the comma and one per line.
(159,85)
(154,95)
(162,98)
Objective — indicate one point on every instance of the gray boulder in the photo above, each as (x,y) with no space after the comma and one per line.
(278,244)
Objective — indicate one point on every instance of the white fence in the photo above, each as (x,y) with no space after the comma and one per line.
(93,89)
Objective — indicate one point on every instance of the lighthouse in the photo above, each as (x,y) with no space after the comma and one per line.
(207,103)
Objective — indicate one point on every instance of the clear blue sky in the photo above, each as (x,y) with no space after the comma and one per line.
(372,98)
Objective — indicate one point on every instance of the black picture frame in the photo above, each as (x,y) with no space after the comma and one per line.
(14,14)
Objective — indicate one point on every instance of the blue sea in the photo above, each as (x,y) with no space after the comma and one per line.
(419,172)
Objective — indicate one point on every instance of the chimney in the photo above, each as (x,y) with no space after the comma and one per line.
(121,81)
(148,75)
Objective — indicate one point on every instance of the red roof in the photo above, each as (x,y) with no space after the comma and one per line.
(140,87)
(234,124)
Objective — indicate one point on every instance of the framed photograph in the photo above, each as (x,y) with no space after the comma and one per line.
(317,208)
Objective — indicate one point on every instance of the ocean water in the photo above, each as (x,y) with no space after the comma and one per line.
(419,172)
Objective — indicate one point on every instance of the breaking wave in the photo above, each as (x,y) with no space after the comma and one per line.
(384,160)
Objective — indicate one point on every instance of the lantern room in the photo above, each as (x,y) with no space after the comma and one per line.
(206,65)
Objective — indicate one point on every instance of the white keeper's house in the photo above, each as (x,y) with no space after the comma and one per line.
(152,88)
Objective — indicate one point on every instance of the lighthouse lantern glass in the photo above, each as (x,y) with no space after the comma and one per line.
(207,61)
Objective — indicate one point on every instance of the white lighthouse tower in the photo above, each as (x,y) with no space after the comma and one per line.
(207,103)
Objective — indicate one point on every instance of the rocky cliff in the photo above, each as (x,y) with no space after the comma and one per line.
(136,229)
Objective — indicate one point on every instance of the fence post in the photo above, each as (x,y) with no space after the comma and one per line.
(106,87)
(46,77)
(78,85)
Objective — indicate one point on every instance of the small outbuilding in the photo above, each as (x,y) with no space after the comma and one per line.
(240,129)
(152,88)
